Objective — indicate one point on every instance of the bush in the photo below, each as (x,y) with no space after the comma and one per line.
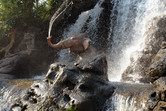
(16,12)
(72,108)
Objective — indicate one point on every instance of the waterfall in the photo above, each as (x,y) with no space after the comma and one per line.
(89,18)
(128,32)
(130,22)
(7,97)
(57,14)
(122,103)
(128,97)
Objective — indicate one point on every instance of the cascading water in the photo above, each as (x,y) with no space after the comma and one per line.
(128,97)
(58,13)
(129,32)
(122,34)
(10,90)
(7,98)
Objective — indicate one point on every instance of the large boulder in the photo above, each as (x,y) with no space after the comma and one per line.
(158,68)
(157,99)
(82,85)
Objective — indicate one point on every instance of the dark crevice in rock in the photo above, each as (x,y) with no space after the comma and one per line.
(67,98)
(153,94)
(69,84)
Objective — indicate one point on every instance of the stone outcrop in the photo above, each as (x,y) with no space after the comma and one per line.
(156,34)
(82,85)
(158,68)
(157,99)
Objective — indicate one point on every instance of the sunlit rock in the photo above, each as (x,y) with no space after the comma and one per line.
(155,35)
(158,68)
(157,99)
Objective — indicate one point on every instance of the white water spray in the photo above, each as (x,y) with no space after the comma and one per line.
(128,97)
(133,20)
(76,28)
(57,14)
(129,31)
(6,98)
(122,103)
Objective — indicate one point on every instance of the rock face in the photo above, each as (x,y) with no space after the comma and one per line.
(25,58)
(158,68)
(155,35)
(103,24)
(83,86)
(157,101)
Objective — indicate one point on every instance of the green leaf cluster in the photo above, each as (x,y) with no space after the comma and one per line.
(16,12)
(72,108)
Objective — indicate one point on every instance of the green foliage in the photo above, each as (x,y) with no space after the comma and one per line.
(22,12)
(14,12)
(72,108)
(54,5)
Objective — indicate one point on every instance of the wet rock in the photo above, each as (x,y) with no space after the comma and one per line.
(136,72)
(82,85)
(161,106)
(11,94)
(17,106)
(160,84)
(52,72)
(157,99)
(103,25)
(156,34)
(153,100)
(98,65)
(36,92)
(80,6)
(158,68)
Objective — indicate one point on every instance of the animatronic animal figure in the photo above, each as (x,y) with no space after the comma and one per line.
(78,43)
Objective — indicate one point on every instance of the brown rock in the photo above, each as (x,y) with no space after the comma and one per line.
(158,68)
(161,106)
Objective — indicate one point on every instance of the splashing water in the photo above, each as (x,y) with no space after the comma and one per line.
(11,91)
(76,28)
(129,31)
(57,14)
(133,20)
(122,103)
(7,97)
(128,97)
